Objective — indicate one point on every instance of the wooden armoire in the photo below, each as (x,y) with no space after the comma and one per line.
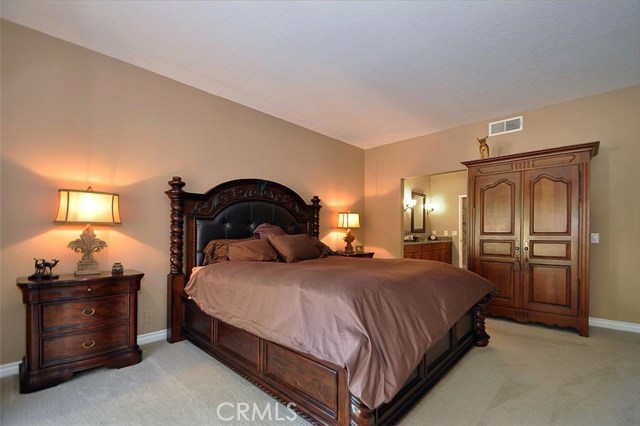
(529,233)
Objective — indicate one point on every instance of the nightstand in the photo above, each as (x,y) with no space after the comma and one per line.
(354,254)
(78,322)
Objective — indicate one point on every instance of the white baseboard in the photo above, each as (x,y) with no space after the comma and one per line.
(9,369)
(155,336)
(614,325)
(12,367)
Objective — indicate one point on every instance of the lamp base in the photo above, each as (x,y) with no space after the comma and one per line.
(87,267)
(349,239)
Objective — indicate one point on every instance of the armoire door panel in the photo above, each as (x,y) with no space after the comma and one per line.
(550,250)
(551,198)
(550,288)
(504,276)
(500,248)
(552,210)
(499,205)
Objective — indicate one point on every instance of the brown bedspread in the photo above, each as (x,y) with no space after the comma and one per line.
(376,317)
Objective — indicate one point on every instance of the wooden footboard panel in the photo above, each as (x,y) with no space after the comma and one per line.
(319,388)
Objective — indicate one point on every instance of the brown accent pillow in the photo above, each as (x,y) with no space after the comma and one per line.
(264,230)
(294,248)
(257,250)
(216,250)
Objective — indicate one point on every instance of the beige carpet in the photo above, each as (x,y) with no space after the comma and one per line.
(529,375)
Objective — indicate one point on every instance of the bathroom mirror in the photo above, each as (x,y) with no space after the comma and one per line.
(417,213)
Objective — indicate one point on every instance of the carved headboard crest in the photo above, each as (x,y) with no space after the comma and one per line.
(261,190)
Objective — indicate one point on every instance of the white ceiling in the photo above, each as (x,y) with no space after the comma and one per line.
(366,73)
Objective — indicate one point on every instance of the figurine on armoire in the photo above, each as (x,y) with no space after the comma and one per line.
(484,148)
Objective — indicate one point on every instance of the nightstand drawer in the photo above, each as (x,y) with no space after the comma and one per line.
(84,312)
(75,346)
(88,289)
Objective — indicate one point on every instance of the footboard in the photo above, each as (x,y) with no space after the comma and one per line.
(319,388)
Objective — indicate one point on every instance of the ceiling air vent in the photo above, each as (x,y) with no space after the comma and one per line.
(505,126)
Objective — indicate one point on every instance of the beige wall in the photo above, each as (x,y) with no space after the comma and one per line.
(72,118)
(612,118)
(446,189)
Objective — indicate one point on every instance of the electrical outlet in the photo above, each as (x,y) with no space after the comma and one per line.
(446,233)
(595,238)
(454,233)
(148,317)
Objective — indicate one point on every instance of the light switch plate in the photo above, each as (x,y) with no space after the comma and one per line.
(595,238)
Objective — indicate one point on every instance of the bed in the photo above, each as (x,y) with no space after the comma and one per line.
(316,388)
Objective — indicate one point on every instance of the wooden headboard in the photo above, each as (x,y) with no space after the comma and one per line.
(231,210)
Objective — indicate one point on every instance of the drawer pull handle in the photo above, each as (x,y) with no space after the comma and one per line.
(88,288)
(88,343)
(88,312)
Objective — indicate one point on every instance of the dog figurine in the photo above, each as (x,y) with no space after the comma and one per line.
(484,148)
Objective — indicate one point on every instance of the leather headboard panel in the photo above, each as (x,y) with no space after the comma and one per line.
(232,210)
(241,219)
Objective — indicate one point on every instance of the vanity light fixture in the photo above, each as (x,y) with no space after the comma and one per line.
(410,204)
(89,208)
(428,208)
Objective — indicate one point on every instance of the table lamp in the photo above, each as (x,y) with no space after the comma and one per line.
(90,208)
(348,221)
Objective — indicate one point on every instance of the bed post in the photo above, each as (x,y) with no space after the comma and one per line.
(482,337)
(176,277)
(315,231)
(360,414)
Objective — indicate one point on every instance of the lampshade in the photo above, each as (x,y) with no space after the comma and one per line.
(348,220)
(88,207)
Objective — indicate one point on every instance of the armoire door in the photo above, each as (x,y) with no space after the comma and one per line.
(551,230)
(497,231)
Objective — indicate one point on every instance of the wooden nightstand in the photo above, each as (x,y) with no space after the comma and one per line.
(76,323)
(354,254)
